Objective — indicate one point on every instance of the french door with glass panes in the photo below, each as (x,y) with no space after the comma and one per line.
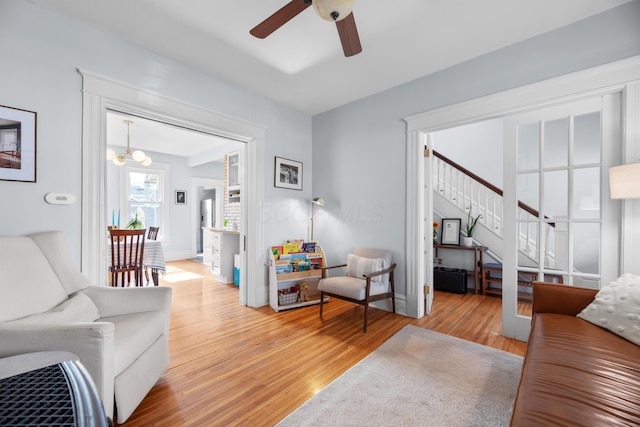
(559,221)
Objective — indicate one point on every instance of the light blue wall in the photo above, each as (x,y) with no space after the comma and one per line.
(359,152)
(40,53)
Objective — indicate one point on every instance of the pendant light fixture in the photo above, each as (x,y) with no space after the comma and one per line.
(333,10)
(121,158)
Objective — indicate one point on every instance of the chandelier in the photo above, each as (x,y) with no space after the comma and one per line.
(121,158)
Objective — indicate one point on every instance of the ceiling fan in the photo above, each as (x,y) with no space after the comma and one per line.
(338,11)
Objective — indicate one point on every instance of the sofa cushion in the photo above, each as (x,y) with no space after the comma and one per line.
(616,307)
(78,308)
(575,373)
(133,334)
(357,266)
(350,287)
(28,285)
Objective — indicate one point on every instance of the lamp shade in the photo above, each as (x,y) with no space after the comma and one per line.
(318,201)
(333,10)
(624,181)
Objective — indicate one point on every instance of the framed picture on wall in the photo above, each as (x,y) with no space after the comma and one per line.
(181,197)
(451,231)
(288,174)
(17,144)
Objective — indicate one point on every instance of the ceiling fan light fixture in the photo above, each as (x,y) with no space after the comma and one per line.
(119,159)
(333,10)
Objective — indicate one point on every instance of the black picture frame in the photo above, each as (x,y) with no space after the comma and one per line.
(181,197)
(17,144)
(287,174)
(451,231)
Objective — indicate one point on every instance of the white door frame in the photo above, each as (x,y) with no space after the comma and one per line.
(620,76)
(101,93)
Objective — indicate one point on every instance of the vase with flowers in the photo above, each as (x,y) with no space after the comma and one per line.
(436,225)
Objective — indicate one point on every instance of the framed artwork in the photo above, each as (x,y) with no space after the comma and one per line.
(17,144)
(288,174)
(451,231)
(181,197)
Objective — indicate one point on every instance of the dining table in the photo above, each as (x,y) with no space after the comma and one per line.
(153,258)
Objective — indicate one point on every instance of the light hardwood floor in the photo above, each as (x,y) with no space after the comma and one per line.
(234,365)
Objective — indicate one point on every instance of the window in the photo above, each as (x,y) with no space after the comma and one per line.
(145,193)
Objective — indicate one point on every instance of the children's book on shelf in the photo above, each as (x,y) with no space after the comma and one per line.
(296,255)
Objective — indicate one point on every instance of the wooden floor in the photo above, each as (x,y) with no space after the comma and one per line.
(234,365)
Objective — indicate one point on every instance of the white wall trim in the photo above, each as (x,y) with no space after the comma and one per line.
(607,78)
(603,79)
(101,93)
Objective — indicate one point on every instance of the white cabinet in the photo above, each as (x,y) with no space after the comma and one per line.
(207,246)
(282,294)
(225,244)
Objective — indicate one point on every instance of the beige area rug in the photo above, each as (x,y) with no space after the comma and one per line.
(418,378)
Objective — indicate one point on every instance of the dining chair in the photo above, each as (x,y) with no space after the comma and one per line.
(152,235)
(368,277)
(127,249)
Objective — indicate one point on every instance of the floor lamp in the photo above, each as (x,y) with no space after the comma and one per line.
(317,201)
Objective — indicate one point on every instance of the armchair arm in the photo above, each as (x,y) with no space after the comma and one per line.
(325,269)
(561,299)
(119,301)
(92,342)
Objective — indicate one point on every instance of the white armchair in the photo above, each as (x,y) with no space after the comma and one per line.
(368,277)
(119,334)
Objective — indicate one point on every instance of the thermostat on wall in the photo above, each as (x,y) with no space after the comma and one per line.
(60,198)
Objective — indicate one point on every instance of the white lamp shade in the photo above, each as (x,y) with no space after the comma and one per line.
(119,159)
(318,201)
(624,181)
(147,161)
(326,8)
(110,154)
(138,156)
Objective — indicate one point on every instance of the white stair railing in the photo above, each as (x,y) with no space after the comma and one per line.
(467,191)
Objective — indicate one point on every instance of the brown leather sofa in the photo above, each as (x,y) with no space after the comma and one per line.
(575,373)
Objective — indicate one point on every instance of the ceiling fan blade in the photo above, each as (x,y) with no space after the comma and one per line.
(349,36)
(278,19)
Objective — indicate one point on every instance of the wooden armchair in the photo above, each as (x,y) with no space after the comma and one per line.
(368,277)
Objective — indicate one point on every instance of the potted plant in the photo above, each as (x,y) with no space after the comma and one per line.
(471,225)
(137,222)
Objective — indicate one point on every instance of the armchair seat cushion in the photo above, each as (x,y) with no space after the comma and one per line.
(134,334)
(350,287)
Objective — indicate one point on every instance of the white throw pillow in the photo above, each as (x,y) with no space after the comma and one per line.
(616,307)
(358,266)
(78,308)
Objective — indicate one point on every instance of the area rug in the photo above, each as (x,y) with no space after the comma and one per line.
(418,378)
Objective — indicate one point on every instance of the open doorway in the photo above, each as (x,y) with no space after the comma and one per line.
(100,95)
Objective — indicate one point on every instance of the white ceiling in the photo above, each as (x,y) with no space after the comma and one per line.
(149,135)
(302,64)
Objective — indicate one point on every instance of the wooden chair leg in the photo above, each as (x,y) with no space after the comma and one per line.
(321,302)
(366,315)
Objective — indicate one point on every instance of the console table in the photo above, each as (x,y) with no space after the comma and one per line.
(477,261)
